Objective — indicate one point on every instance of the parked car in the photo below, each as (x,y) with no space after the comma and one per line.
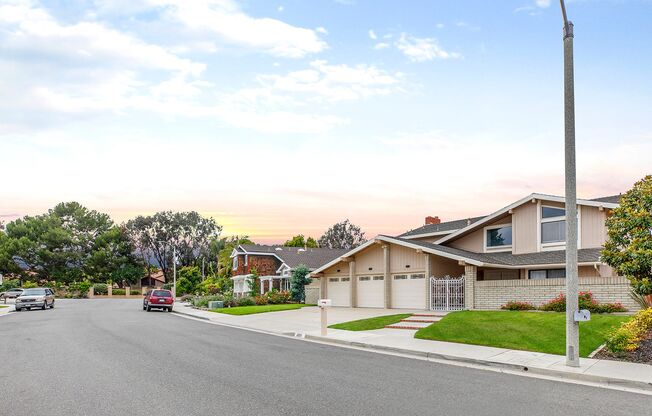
(38,297)
(11,293)
(158,299)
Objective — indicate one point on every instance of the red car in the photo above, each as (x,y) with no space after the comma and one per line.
(158,298)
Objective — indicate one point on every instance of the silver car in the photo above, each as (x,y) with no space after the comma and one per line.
(39,297)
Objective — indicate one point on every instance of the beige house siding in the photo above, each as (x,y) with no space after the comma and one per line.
(524,231)
(593,229)
(442,267)
(370,258)
(338,270)
(474,241)
(403,259)
(494,294)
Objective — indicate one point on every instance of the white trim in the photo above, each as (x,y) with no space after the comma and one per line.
(518,203)
(496,249)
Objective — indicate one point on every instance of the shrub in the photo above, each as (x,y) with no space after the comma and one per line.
(514,305)
(184,286)
(30,285)
(629,335)
(246,301)
(202,301)
(586,301)
(119,292)
(79,289)
(134,292)
(261,300)
(187,298)
(167,286)
(9,284)
(100,289)
(275,297)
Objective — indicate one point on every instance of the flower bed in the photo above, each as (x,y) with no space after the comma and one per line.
(558,304)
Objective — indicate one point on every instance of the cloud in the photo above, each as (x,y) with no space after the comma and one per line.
(542,3)
(423,49)
(372,35)
(225,20)
(321,30)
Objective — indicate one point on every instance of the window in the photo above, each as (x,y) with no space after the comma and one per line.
(499,236)
(379,277)
(503,274)
(400,277)
(235,262)
(345,279)
(553,225)
(547,274)
(552,212)
(553,232)
(364,278)
(333,279)
(418,276)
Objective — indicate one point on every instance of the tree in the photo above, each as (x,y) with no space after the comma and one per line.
(254,283)
(629,245)
(160,234)
(56,245)
(224,262)
(298,281)
(113,258)
(342,235)
(300,241)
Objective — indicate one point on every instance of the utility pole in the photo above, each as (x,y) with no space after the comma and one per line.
(572,327)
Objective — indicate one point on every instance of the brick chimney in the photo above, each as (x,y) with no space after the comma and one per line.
(432,220)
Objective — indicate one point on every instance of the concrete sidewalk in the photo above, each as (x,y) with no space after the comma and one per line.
(304,323)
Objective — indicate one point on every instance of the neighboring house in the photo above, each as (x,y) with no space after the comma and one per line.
(274,265)
(153,280)
(515,253)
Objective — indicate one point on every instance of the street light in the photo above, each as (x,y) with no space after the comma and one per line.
(572,327)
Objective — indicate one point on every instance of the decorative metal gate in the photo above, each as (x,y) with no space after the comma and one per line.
(447,294)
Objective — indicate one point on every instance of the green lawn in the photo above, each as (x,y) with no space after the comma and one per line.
(4,306)
(531,331)
(248,310)
(371,323)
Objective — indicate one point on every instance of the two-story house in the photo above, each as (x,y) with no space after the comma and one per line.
(274,265)
(515,253)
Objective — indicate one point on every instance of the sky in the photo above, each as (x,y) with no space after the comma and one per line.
(284,117)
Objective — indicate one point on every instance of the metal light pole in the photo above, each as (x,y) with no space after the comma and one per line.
(572,327)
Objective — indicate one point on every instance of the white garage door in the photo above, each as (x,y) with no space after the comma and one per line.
(409,291)
(339,291)
(371,291)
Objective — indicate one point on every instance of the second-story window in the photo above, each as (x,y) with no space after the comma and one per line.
(553,225)
(235,262)
(498,237)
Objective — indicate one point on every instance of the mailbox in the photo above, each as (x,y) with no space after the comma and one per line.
(582,315)
(324,303)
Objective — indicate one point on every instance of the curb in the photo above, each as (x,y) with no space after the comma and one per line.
(610,381)
(189,314)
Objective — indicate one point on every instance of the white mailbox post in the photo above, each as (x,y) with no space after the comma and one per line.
(324,304)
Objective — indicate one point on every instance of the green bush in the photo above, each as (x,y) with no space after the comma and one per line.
(514,305)
(134,292)
(101,289)
(246,301)
(586,301)
(9,284)
(202,301)
(167,286)
(629,335)
(119,292)
(79,289)
(29,285)
(275,297)
(184,286)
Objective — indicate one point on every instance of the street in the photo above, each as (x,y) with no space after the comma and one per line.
(108,357)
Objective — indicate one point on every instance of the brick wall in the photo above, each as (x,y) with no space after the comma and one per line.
(493,294)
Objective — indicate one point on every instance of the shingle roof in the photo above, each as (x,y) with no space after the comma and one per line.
(294,256)
(613,199)
(585,255)
(442,226)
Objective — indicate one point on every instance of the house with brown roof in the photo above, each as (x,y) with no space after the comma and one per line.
(274,265)
(514,253)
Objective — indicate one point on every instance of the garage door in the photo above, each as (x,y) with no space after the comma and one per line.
(371,291)
(409,291)
(339,291)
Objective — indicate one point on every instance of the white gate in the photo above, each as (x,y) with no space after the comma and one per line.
(447,294)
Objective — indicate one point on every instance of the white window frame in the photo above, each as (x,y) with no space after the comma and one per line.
(235,262)
(557,245)
(497,248)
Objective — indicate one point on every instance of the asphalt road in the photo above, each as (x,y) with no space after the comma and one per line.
(108,357)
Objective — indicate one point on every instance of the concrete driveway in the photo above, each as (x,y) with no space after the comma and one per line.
(295,321)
